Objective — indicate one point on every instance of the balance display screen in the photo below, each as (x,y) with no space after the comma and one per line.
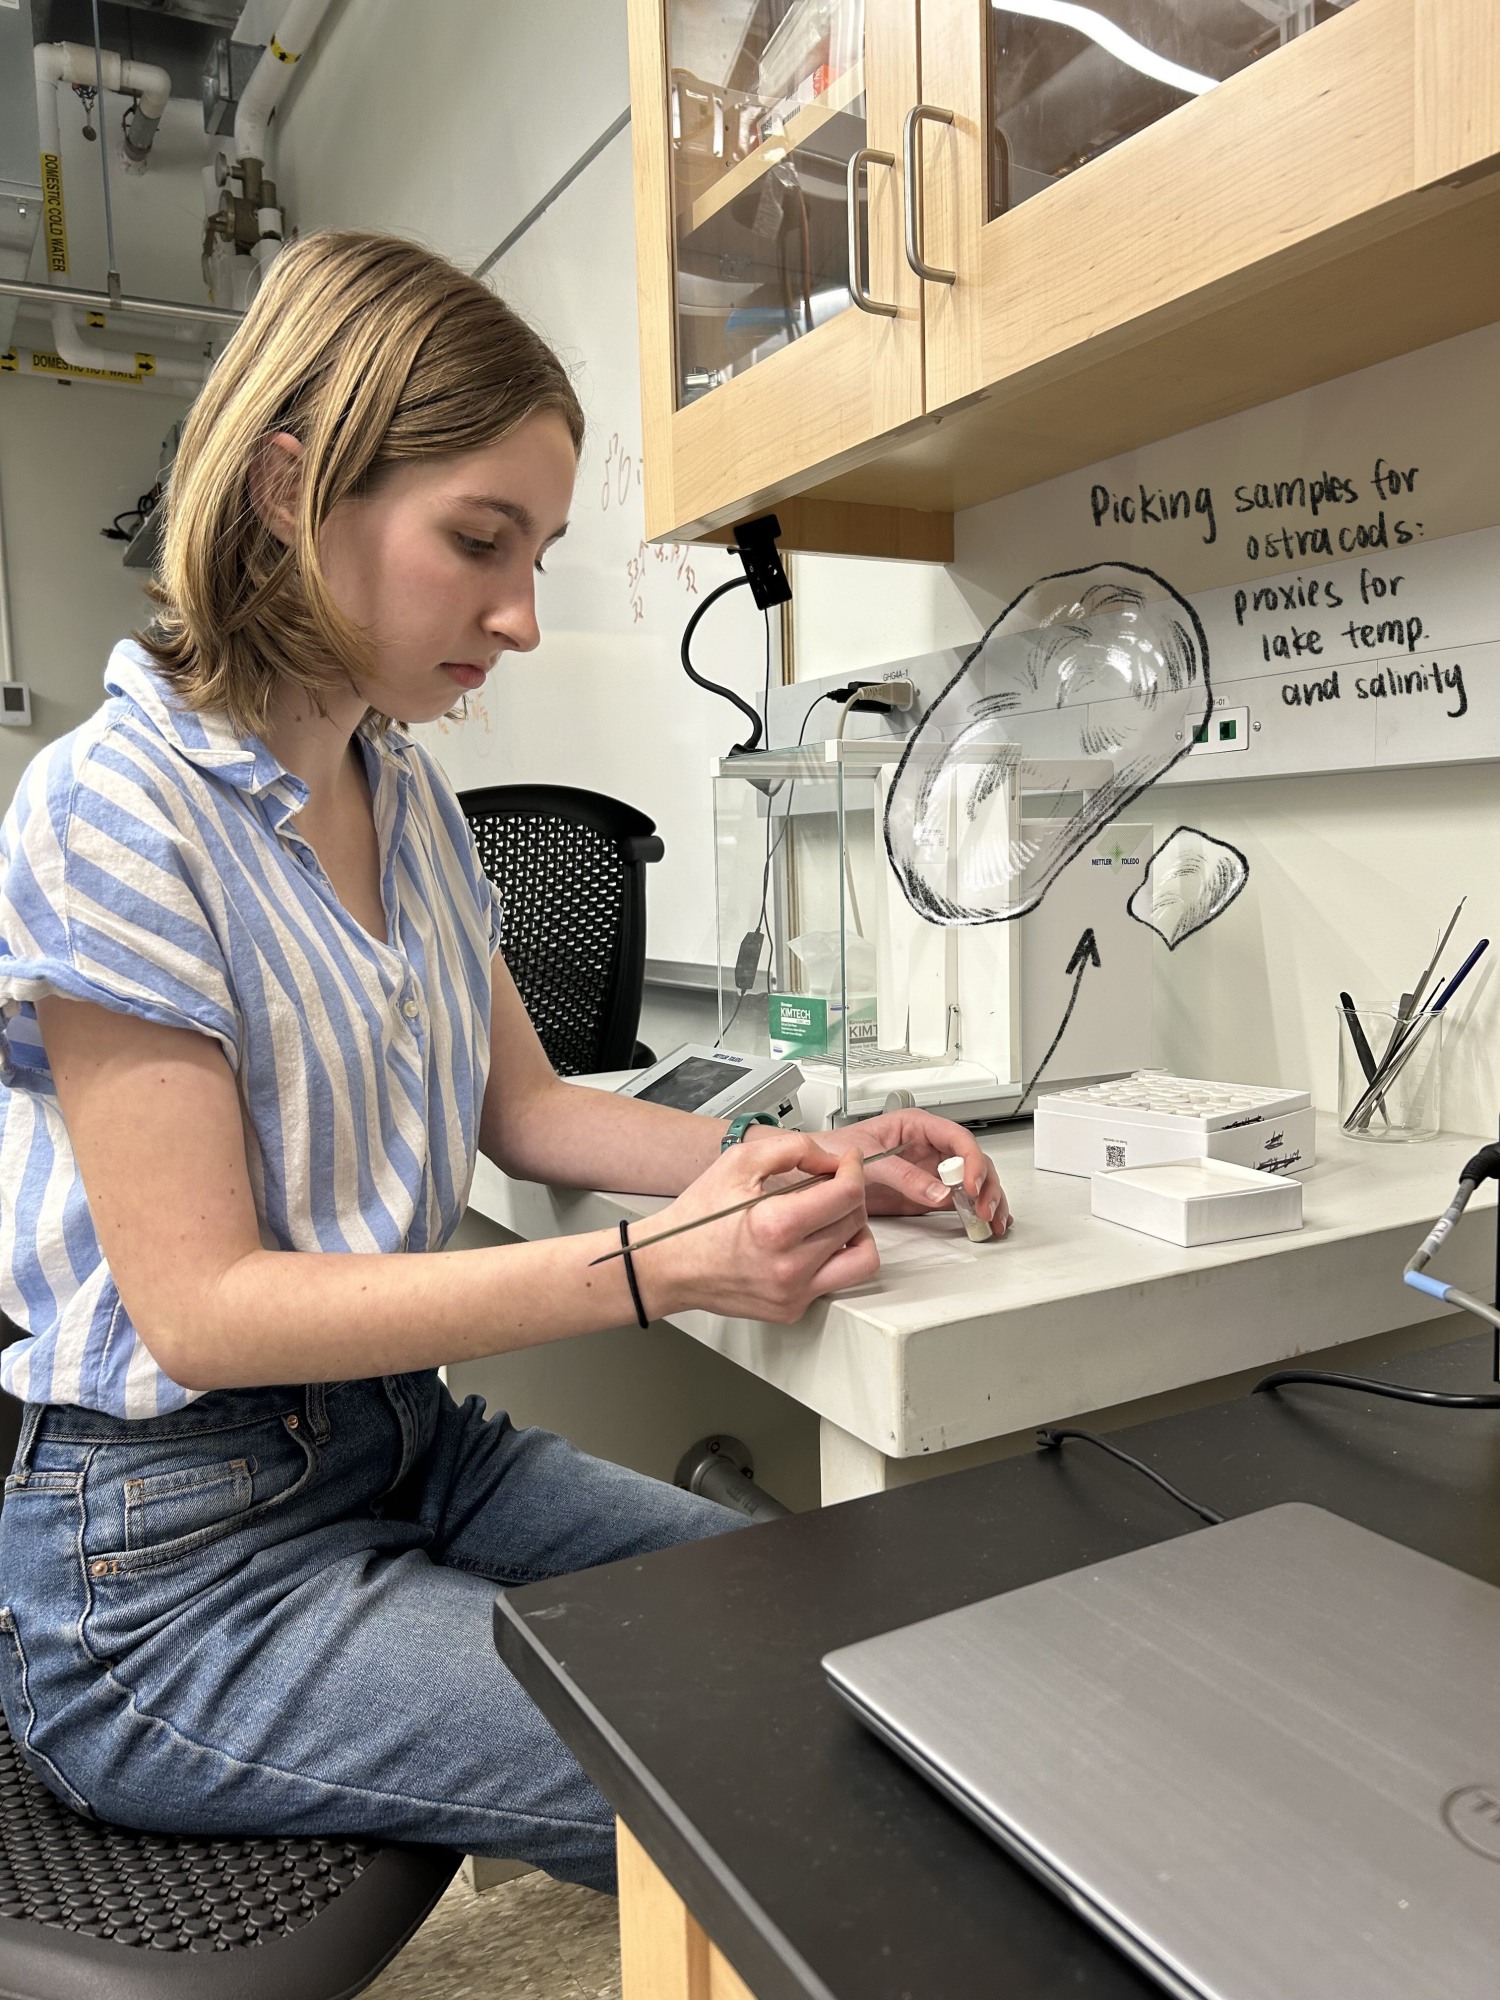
(690,1084)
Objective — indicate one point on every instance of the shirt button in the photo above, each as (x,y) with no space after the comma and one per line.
(411,1009)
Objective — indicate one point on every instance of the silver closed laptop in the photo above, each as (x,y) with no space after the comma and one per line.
(1263,1758)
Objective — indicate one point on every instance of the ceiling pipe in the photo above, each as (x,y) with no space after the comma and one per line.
(46,364)
(76,295)
(56,64)
(268,85)
(151,87)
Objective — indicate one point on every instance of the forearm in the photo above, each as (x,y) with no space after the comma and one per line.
(570,1135)
(310,1316)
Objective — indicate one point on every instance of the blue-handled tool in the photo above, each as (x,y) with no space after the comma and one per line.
(1461,975)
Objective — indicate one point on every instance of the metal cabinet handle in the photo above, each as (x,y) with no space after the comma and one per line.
(914,256)
(866,156)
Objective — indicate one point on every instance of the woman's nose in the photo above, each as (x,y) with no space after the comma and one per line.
(514,620)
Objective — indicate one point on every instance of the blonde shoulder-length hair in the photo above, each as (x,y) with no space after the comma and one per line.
(372,352)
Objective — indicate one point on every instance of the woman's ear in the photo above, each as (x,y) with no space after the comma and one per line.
(275,484)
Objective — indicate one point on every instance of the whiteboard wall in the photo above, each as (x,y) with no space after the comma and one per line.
(1339,547)
(603,702)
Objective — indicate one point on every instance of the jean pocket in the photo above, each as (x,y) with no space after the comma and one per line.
(20,1713)
(185,1501)
(161,1503)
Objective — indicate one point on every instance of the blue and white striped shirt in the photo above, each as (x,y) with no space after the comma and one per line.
(151,863)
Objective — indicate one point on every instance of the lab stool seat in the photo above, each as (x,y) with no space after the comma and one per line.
(90,1911)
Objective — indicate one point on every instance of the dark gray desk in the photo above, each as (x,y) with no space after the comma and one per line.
(689,1685)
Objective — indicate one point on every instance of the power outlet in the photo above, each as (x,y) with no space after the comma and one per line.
(15,705)
(1224,729)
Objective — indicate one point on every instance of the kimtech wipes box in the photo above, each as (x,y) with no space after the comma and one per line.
(805,1026)
(1149,1118)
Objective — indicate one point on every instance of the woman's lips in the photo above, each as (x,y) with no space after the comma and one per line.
(465,673)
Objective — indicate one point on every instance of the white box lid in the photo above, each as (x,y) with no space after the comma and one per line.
(1181,1104)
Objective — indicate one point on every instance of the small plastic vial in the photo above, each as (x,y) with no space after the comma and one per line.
(951,1174)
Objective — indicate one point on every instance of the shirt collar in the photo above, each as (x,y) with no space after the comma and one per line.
(210,741)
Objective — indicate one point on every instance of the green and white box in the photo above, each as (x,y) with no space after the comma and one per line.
(806,1026)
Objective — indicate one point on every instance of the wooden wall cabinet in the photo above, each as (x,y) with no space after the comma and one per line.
(1332,203)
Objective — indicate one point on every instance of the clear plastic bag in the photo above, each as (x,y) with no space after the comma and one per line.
(1105,665)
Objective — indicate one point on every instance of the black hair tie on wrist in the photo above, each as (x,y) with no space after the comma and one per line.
(630,1277)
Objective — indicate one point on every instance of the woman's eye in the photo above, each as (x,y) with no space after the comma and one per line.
(472,546)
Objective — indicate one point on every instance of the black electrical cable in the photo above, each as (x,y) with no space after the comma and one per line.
(1399,1392)
(734,583)
(1052,1437)
(115,533)
(1485,1165)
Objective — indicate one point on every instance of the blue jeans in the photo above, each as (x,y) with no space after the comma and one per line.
(270,1613)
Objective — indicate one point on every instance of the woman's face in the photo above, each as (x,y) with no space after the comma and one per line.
(438,565)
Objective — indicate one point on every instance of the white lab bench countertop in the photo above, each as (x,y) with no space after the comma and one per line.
(956,1342)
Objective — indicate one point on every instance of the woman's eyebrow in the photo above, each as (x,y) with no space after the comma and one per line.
(523,517)
(513,510)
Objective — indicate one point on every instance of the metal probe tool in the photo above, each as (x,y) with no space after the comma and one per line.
(770,1194)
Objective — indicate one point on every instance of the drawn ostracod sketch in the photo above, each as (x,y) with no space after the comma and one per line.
(1104,667)
(1190,879)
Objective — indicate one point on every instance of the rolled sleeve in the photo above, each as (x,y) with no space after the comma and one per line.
(104,899)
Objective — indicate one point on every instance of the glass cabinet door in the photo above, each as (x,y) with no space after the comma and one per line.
(1067,82)
(781,326)
(766,112)
(1202,165)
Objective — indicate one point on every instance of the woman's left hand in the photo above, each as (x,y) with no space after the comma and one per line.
(907,1183)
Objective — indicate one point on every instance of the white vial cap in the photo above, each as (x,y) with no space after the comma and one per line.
(951,1172)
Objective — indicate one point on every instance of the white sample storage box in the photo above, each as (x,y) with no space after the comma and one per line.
(1137,1121)
(1192,1202)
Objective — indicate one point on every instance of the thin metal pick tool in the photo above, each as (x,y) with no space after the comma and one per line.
(770,1194)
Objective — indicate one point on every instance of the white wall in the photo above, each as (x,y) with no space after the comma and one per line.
(71,457)
(448,134)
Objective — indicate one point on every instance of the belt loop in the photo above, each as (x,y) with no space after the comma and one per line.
(31,1419)
(317,1411)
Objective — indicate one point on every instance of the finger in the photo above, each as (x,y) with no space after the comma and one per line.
(854,1264)
(791,1153)
(824,1242)
(916,1183)
(880,1200)
(996,1206)
(941,1134)
(788,1218)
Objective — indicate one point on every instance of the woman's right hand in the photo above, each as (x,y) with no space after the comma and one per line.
(771,1261)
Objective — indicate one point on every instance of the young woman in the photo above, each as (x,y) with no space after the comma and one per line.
(253,1028)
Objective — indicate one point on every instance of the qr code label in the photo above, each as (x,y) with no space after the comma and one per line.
(1114,1153)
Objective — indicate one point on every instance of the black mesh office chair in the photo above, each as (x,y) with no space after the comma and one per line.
(571,867)
(90,1911)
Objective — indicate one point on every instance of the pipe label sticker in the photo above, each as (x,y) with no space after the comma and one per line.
(55,225)
(43,363)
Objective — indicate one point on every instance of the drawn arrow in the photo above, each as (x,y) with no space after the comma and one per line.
(1087,947)
(1085,954)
